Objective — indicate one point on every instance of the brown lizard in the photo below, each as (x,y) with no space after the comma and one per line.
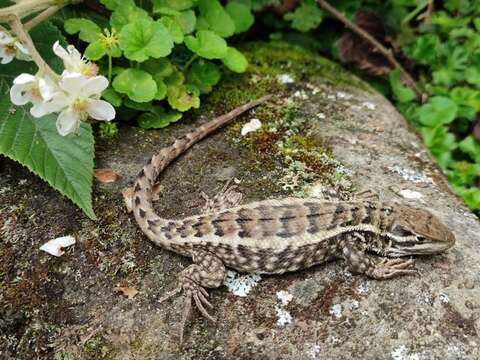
(277,236)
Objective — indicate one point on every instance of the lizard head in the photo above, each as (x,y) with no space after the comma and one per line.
(417,232)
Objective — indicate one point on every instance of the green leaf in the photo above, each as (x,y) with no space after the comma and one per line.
(306,17)
(207,44)
(438,110)
(112,97)
(204,75)
(217,18)
(66,163)
(187,21)
(235,60)
(145,38)
(88,30)
(137,84)
(161,68)
(182,98)
(114,4)
(161,89)
(145,106)
(425,48)
(440,142)
(173,27)
(175,78)
(471,196)
(401,92)
(127,13)
(472,75)
(95,51)
(159,119)
(178,5)
(241,15)
(471,147)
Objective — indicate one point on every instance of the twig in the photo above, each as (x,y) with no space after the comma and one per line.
(25,7)
(45,14)
(17,27)
(366,36)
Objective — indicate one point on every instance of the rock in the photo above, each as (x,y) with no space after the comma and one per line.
(324,129)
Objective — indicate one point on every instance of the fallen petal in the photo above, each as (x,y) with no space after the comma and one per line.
(129,292)
(105,175)
(252,125)
(55,246)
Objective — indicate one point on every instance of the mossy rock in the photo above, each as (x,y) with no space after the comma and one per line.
(326,129)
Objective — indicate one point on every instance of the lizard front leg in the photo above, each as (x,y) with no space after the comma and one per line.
(207,271)
(361,263)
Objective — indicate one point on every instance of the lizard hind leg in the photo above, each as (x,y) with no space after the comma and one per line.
(225,199)
(207,271)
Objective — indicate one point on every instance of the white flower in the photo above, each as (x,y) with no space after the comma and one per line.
(79,98)
(11,48)
(37,90)
(73,61)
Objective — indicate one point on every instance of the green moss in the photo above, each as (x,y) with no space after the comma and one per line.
(96,348)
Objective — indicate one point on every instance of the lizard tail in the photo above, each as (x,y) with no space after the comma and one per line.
(142,206)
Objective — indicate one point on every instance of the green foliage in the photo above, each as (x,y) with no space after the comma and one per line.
(306,17)
(66,163)
(444,47)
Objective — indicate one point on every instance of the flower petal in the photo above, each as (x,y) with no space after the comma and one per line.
(18,95)
(6,58)
(68,122)
(60,51)
(58,101)
(94,86)
(101,110)
(22,48)
(39,109)
(72,82)
(24,79)
(46,87)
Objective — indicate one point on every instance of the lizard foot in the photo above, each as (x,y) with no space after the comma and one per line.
(225,199)
(207,271)
(388,268)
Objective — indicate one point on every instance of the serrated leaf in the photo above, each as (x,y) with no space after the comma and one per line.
(306,17)
(217,18)
(401,92)
(158,120)
(241,16)
(204,75)
(235,60)
(439,110)
(158,68)
(145,38)
(87,30)
(66,163)
(425,48)
(207,44)
(182,98)
(137,84)
(173,27)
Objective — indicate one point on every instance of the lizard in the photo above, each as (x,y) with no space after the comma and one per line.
(281,235)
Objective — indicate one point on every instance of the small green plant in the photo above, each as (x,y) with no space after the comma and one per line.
(152,60)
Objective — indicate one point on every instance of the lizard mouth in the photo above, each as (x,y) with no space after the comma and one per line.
(417,246)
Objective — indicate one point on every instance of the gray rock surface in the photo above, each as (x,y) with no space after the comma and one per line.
(324,130)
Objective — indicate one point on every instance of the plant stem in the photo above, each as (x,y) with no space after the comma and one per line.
(45,14)
(26,7)
(189,62)
(369,38)
(17,27)
(109,68)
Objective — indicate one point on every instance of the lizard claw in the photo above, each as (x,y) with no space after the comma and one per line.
(389,268)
